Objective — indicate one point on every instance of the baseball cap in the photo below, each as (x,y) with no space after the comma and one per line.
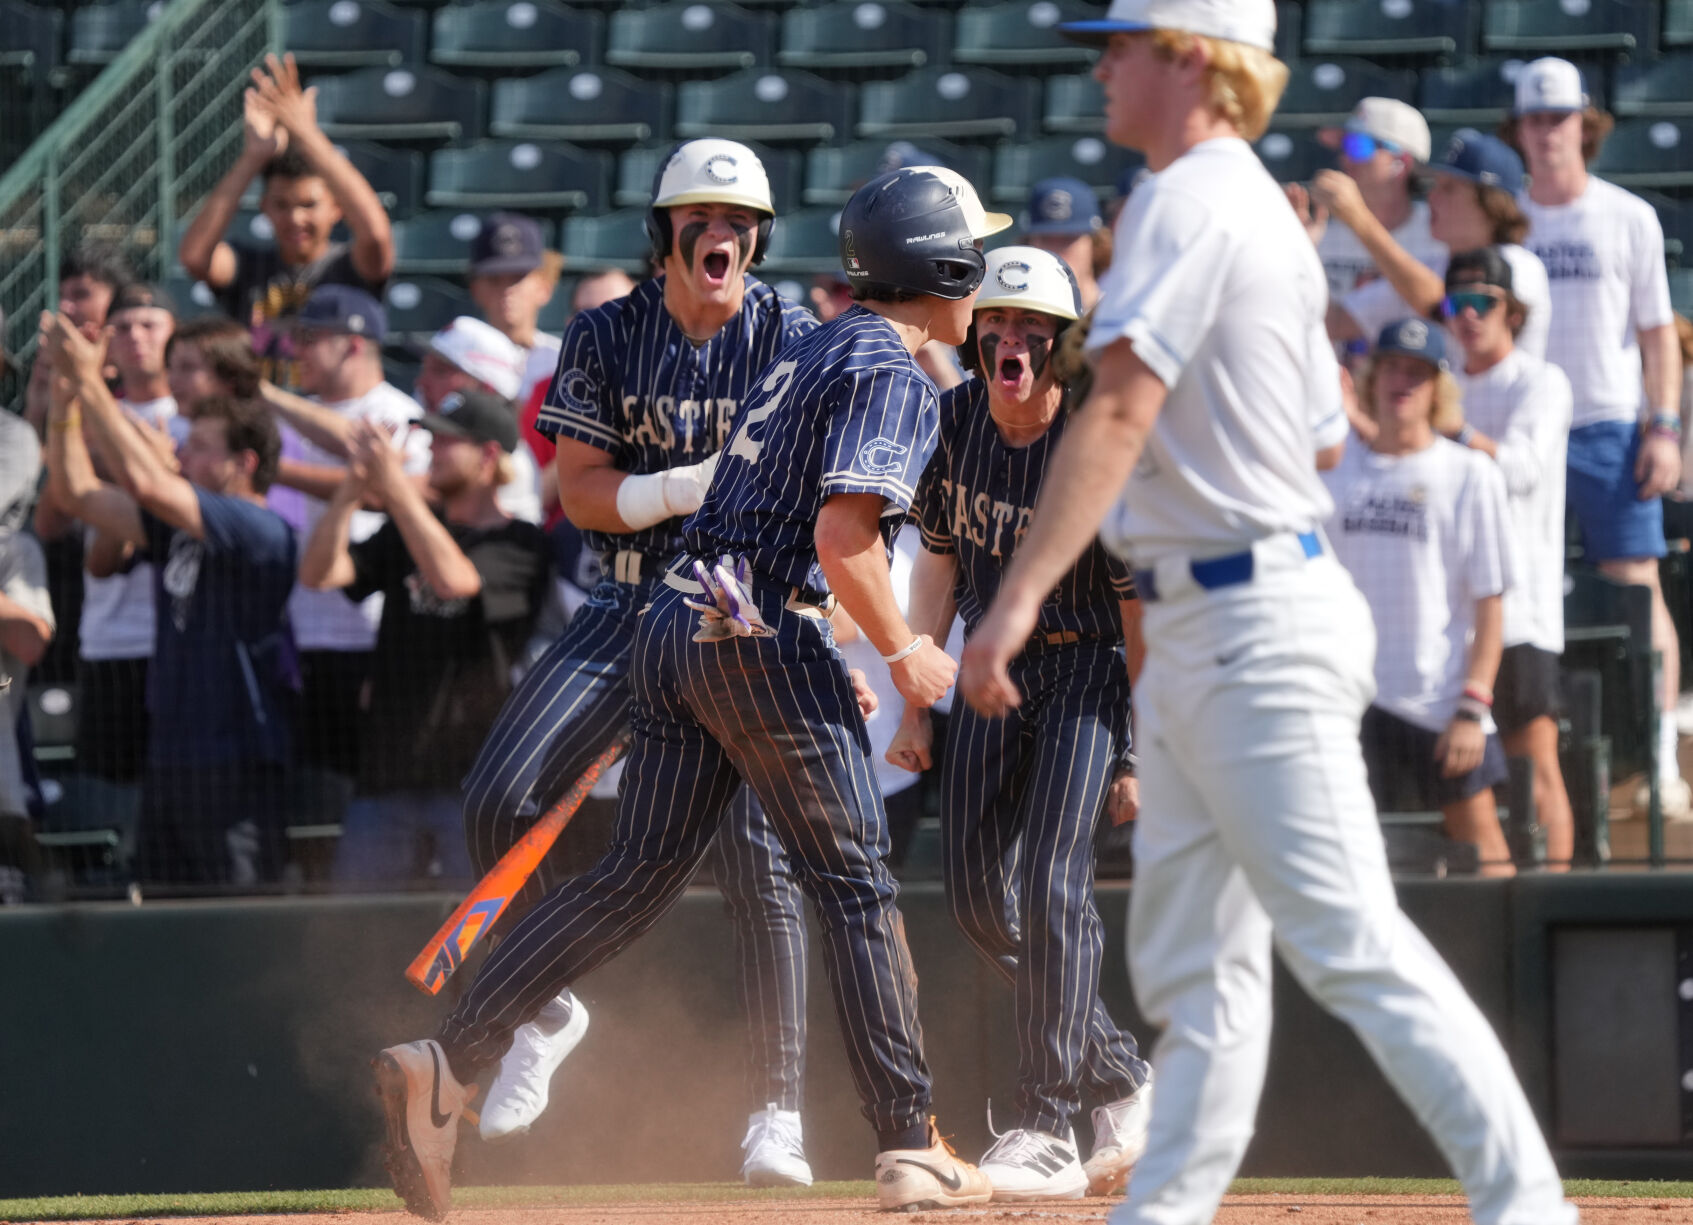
(1483,266)
(343,308)
(1414,338)
(1252,22)
(478,415)
(1062,206)
(713,171)
(508,244)
(483,352)
(1027,278)
(137,295)
(1392,122)
(1549,84)
(1482,159)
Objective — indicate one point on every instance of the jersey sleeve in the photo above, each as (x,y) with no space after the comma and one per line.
(1487,563)
(1649,300)
(1533,444)
(23,575)
(379,561)
(1329,425)
(580,405)
(880,435)
(1166,281)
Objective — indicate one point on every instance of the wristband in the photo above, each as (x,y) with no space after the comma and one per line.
(1665,425)
(1479,693)
(916,645)
(1470,709)
(1465,432)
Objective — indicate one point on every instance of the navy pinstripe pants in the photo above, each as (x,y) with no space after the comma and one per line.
(561,716)
(1022,799)
(779,712)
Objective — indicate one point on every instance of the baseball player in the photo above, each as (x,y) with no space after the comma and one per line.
(736,677)
(1041,776)
(647,388)
(1256,821)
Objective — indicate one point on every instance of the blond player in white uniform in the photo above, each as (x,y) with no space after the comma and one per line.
(1256,819)
(1517,409)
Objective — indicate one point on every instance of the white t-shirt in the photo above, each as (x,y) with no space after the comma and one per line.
(1221,293)
(327,620)
(1378,304)
(1524,406)
(540,364)
(1347,262)
(1604,256)
(520,497)
(1424,537)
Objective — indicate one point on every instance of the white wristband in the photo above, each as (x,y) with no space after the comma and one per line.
(641,501)
(916,645)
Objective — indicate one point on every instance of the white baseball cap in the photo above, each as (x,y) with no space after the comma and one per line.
(714,171)
(1398,123)
(483,352)
(1549,84)
(1252,22)
(1027,278)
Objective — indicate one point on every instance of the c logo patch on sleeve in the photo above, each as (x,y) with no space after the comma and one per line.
(574,390)
(880,456)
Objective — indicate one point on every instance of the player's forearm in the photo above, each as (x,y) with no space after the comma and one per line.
(76,489)
(1487,644)
(373,237)
(933,601)
(312,421)
(325,563)
(855,562)
(1660,357)
(200,240)
(135,466)
(444,566)
(105,554)
(1411,279)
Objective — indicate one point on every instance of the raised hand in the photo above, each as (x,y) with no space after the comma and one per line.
(262,138)
(278,87)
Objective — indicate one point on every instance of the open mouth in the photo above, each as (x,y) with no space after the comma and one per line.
(1011,370)
(715,266)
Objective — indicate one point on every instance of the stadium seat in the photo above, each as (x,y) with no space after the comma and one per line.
(941,102)
(758,105)
(1322,92)
(614,240)
(636,168)
(1681,290)
(1396,27)
(805,243)
(1676,218)
(1018,166)
(1480,91)
(1648,153)
(556,313)
(1023,34)
(400,104)
(1290,28)
(1658,87)
(1074,104)
(1678,23)
(420,306)
(29,39)
(395,175)
(515,34)
(100,31)
(1574,26)
(351,34)
(192,298)
(439,242)
(581,104)
(689,35)
(521,175)
(863,34)
(834,172)
(1293,157)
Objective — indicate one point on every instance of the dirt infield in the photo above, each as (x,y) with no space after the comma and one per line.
(1237,1210)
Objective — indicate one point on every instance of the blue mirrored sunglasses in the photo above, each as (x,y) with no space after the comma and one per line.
(1480,303)
(1361,146)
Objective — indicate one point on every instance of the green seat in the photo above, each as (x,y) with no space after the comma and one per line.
(1370,27)
(1678,23)
(1479,91)
(100,31)
(395,175)
(1676,217)
(515,34)
(522,175)
(418,307)
(782,105)
(582,104)
(637,168)
(193,298)
(1290,29)
(1022,34)
(1551,26)
(1681,290)
(400,104)
(1074,104)
(1323,92)
(1018,166)
(613,240)
(1293,157)
(438,242)
(804,243)
(943,102)
(29,39)
(1659,87)
(834,172)
(351,34)
(689,36)
(854,35)
(1608,628)
(1648,153)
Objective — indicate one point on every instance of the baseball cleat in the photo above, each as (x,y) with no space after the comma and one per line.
(519,1092)
(917,1179)
(1025,1165)
(421,1102)
(1119,1139)
(775,1150)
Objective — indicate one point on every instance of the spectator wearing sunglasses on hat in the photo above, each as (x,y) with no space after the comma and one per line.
(1382,147)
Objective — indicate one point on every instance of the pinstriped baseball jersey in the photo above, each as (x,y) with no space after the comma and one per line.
(630,382)
(846,410)
(978,497)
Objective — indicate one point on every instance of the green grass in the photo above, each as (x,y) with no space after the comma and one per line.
(366,1199)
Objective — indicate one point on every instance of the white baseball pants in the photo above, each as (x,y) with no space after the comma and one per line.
(1257,824)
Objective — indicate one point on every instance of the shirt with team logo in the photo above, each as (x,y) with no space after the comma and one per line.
(1425,536)
(845,410)
(1348,264)
(630,382)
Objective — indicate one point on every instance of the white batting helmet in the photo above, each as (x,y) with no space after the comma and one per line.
(709,171)
(1027,278)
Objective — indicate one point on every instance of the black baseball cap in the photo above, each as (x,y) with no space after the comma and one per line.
(478,415)
(137,295)
(1483,266)
(508,244)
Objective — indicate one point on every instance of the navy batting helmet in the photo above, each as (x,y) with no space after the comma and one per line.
(709,171)
(917,229)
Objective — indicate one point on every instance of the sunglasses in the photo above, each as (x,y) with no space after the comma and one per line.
(1361,146)
(1456,303)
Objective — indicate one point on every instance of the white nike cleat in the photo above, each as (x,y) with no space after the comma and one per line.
(1025,1165)
(519,1092)
(775,1149)
(916,1179)
(1119,1139)
(421,1104)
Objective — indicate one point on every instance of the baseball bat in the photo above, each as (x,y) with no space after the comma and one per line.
(474,916)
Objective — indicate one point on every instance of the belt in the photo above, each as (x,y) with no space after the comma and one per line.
(627,565)
(1217,572)
(806,601)
(1062,638)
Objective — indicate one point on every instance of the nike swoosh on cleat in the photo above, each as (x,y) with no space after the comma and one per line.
(435,1115)
(951,1182)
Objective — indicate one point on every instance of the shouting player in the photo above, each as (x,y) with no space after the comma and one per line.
(1044,775)
(1256,821)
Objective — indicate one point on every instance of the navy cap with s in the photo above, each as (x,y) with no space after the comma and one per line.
(1484,160)
(1062,206)
(343,308)
(508,244)
(1414,338)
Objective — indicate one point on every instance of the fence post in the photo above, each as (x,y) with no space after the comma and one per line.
(165,247)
